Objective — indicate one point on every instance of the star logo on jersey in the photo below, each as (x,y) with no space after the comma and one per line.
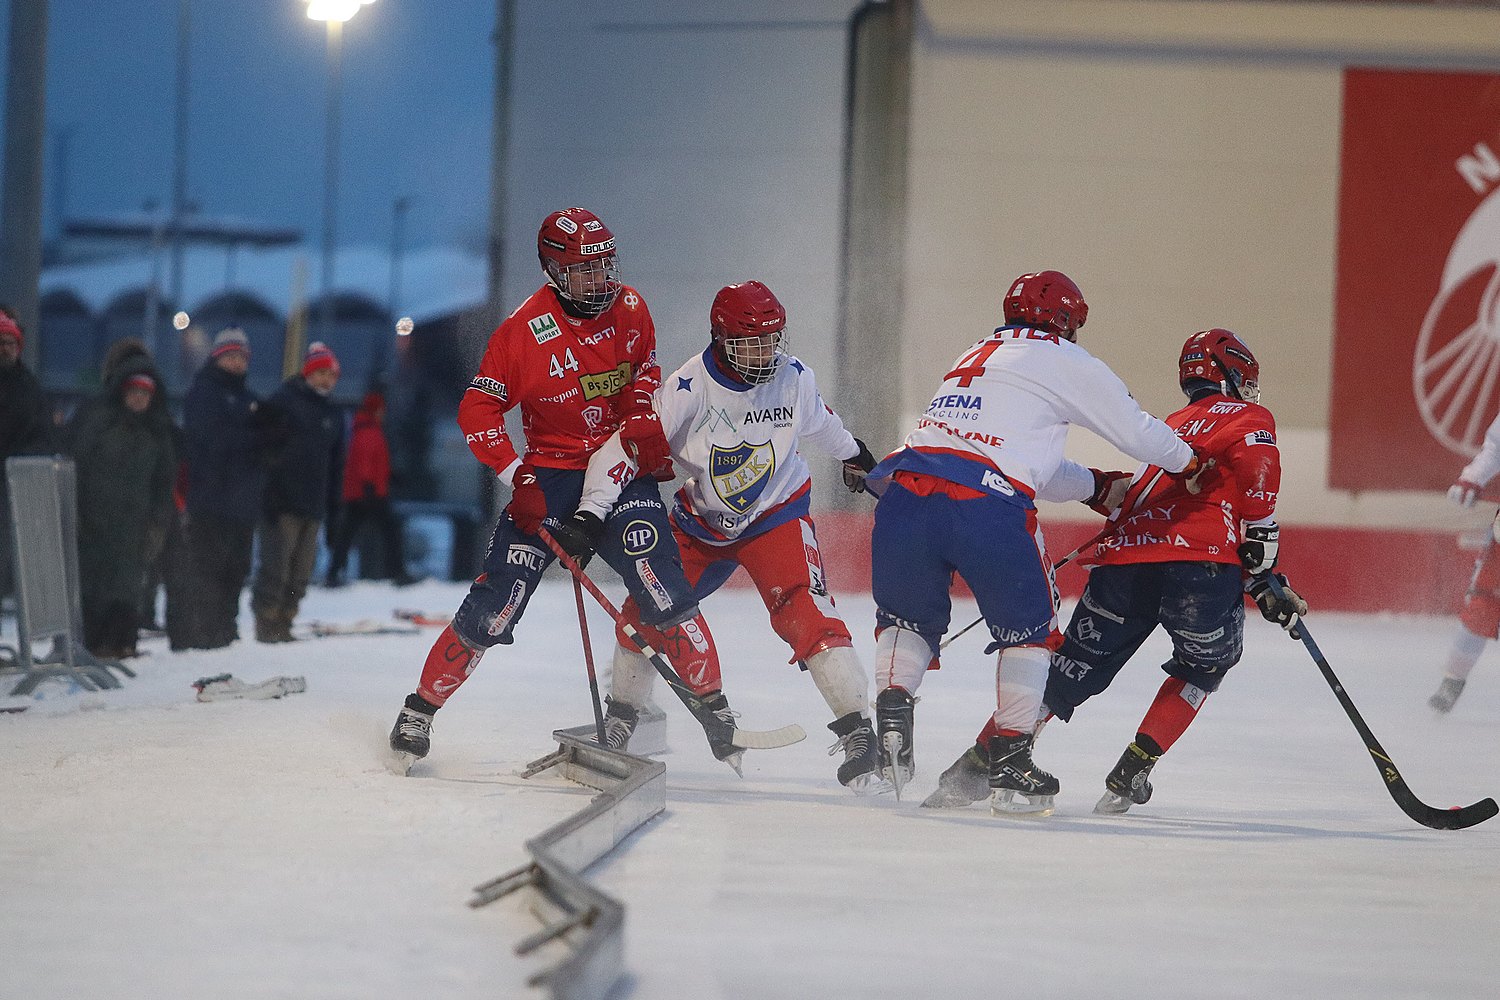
(684,384)
(740,473)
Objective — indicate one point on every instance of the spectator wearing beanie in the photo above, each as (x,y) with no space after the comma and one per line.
(367,489)
(23,424)
(304,477)
(122,444)
(227,437)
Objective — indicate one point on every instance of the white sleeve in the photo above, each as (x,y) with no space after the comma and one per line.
(605,478)
(1071,481)
(819,425)
(1487,463)
(1100,402)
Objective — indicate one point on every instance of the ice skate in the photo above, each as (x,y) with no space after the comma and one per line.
(1447,693)
(856,739)
(620,721)
(966,781)
(411,737)
(893,717)
(718,722)
(1126,785)
(1013,773)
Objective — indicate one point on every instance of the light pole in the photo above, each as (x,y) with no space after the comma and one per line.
(334,13)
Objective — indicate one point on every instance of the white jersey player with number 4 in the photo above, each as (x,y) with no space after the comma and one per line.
(735,417)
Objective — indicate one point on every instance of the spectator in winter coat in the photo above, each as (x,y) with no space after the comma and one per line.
(304,477)
(122,444)
(23,423)
(367,489)
(226,480)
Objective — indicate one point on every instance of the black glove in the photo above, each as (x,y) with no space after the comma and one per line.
(1258,551)
(579,535)
(1284,610)
(369,492)
(856,468)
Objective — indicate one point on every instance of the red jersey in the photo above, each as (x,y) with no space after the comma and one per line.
(568,375)
(1160,521)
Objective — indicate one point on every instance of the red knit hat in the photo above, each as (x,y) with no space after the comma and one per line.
(140,380)
(319,356)
(9,328)
(373,401)
(229,340)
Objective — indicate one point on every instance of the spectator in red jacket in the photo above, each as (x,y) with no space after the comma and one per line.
(367,489)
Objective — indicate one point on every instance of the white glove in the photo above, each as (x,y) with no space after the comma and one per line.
(1464,493)
(1258,552)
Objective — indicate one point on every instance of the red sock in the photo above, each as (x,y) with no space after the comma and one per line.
(689,646)
(1172,712)
(449,664)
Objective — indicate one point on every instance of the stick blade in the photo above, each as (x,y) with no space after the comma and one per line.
(1457,818)
(768,739)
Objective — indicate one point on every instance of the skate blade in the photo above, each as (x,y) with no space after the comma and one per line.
(1004,803)
(897,775)
(868,784)
(1112,805)
(951,798)
(400,763)
(736,761)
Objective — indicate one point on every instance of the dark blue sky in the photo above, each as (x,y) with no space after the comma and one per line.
(418,83)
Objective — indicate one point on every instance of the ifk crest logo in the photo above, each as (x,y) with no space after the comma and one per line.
(740,473)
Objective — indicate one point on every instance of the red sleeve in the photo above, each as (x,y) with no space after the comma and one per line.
(481,412)
(1256,460)
(641,351)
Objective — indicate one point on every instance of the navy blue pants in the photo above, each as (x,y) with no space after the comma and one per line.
(1200,604)
(637,544)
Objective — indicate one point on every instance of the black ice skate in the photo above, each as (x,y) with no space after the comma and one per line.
(1012,773)
(718,722)
(861,761)
(411,737)
(966,781)
(1127,784)
(893,718)
(1447,694)
(619,724)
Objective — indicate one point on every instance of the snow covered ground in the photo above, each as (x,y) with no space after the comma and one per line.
(153,846)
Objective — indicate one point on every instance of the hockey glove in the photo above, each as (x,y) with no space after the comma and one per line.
(642,436)
(528,504)
(856,467)
(1285,610)
(1258,551)
(579,536)
(1464,493)
(1109,491)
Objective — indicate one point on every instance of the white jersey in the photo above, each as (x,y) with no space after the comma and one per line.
(737,443)
(1000,419)
(1487,463)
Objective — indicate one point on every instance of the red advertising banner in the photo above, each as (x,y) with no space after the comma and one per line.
(1416,350)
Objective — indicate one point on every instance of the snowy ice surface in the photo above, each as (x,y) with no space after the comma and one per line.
(153,846)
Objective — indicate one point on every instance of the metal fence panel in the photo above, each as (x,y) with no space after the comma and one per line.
(39,488)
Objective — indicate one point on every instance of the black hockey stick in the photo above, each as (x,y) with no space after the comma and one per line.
(588,661)
(1456,818)
(745,739)
(1055,567)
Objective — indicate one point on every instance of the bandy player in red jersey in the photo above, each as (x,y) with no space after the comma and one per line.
(579,358)
(1177,559)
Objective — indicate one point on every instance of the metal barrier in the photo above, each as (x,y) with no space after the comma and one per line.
(44,550)
(572,911)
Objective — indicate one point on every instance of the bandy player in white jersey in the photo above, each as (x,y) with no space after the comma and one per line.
(959,498)
(734,417)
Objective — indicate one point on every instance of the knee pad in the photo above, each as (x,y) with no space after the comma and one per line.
(1207,678)
(486,616)
(806,627)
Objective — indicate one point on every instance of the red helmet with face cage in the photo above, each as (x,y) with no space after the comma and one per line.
(577,252)
(1046,300)
(1222,357)
(748,326)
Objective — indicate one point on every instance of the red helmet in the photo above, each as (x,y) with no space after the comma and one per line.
(1220,356)
(577,252)
(1046,300)
(747,324)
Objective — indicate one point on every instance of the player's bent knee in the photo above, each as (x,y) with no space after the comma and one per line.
(486,617)
(1205,676)
(1481,615)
